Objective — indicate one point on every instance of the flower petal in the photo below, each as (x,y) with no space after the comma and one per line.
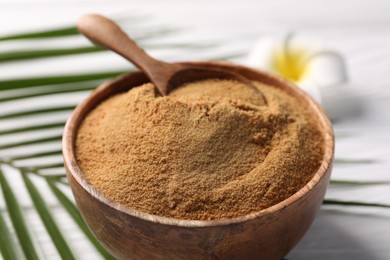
(262,53)
(312,89)
(305,42)
(326,68)
(317,67)
(340,101)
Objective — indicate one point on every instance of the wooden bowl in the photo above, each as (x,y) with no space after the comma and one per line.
(130,234)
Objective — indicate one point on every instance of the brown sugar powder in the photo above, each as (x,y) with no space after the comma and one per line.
(206,151)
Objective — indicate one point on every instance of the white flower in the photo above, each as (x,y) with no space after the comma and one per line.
(302,60)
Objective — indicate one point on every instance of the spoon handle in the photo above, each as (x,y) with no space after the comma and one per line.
(106,33)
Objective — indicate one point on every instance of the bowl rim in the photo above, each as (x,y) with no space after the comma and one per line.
(70,162)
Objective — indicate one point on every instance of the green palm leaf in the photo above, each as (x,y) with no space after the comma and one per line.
(18,220)
(355,203)
(65,31)
(74,213)
(7,247)
(55,80)
(38,54)
(60,32)
(48,220)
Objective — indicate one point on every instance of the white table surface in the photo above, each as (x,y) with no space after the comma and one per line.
(360,30)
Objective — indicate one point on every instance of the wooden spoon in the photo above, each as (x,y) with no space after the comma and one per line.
(165,76)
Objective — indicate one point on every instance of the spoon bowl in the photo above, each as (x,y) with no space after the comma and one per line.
(165,76)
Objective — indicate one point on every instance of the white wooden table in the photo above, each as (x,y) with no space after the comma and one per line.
(360,30)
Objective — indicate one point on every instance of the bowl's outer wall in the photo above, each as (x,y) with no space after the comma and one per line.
(267,236)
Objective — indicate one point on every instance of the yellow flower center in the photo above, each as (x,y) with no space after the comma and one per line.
(290,63)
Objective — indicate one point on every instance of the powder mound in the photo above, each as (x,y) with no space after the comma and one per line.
(207,151)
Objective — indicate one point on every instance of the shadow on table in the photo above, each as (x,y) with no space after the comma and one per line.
(340,235)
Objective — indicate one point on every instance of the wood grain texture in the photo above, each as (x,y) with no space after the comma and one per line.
(165,76)
(268,234)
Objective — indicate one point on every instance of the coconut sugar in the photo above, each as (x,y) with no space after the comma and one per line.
(207,151)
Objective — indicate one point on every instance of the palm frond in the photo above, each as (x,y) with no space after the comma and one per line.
(57,32)
(37,111)
(7,246)
(64,31)
(74,213)
(354,203)
(18,220)
(25,83)
(48,220)
(355,161)
(39,54)
(358,183)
